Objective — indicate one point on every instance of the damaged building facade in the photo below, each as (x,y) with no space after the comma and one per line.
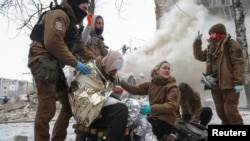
(14,88)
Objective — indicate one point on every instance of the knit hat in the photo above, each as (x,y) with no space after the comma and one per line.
(218,28)
(77,2)
(113,60)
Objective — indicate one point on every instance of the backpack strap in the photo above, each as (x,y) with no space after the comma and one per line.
(37,33)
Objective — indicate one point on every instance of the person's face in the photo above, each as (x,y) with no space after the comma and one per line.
(164,70)
(212,35)
(83,7)
(99,23)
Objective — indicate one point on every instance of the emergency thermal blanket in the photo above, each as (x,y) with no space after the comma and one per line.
(88,94)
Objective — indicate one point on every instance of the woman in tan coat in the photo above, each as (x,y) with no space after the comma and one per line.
(164,97)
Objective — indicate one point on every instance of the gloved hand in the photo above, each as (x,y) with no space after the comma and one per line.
(238,88)
(145,109)
(199,35)
(89,19)
(117,89)
(82,68)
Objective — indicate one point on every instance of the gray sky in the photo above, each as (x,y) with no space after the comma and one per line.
(137,21)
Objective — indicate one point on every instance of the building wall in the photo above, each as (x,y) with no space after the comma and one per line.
(12,87)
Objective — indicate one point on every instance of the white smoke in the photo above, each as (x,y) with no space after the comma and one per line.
(173,42)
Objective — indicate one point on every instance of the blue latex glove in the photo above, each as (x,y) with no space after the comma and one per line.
(238,88)
(82,68)
(145,109)
(199,35)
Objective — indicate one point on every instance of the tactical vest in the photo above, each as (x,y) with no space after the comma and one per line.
(73,33)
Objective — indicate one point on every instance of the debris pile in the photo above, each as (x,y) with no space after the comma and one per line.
(21,108)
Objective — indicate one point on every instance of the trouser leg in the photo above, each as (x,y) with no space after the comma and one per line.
(45,110)
(60,128)
(231,102)
(219,106)
(116,119)
(161,128)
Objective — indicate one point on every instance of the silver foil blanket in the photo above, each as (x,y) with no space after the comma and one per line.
(141,129)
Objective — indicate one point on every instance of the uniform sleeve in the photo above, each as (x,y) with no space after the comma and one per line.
(56,24)
(237,61)
(141,89)
(197,51)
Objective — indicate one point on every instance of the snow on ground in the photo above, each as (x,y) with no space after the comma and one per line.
(244,113)
(9,130)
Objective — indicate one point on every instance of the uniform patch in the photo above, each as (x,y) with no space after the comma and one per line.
(59,23)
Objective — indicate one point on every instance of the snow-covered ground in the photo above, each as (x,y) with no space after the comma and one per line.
(9,130)
(244,113)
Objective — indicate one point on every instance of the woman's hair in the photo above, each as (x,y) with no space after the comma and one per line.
(153,72)
(187,93)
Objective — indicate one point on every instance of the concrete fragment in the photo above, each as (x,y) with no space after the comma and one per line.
(20,138)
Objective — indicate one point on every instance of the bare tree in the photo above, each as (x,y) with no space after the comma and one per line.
(160,6)
(25,13)
(22,13)
(239,18)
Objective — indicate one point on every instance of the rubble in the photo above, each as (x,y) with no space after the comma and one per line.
(19,113)
(17,109)
(20,138)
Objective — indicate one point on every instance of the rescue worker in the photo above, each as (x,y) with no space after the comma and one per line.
(224,72)
(114,113)
(54,46)
(164,98)
(191,109)
(92,35)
